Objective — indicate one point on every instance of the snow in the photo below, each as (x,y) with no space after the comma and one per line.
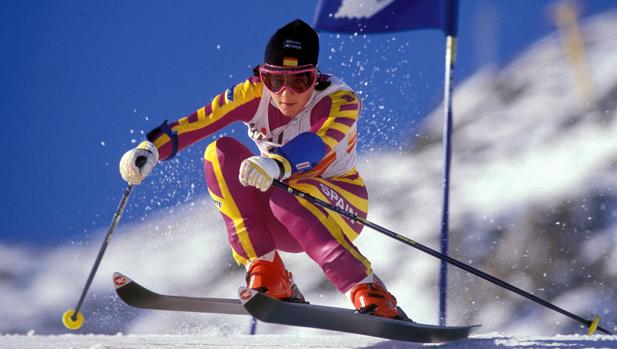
(534,202)
(291,341)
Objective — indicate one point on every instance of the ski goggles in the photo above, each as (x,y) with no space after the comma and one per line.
(297,79)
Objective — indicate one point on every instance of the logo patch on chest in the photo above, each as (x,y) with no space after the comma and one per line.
(303,166)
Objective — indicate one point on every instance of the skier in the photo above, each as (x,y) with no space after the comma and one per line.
(304,123)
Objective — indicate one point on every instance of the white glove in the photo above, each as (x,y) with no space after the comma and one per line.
(259,172)
(137,163)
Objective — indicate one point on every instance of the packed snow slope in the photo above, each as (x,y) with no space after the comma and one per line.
(268,341)
(534,202)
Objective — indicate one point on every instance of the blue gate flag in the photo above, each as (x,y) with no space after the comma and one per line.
(378,16)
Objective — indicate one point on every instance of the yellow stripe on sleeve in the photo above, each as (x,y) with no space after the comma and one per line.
(161,141)
(330,142)
(339,99)
(340,127)
(243,93)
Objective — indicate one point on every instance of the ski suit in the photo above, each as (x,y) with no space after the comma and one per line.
(318,144)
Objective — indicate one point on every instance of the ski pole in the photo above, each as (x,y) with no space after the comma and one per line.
(592,325)
(253,328)
(72,318)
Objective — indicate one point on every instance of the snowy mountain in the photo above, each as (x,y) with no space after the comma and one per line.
(535,186)
(534,202)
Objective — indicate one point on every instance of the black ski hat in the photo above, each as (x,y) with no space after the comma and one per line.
(293,45)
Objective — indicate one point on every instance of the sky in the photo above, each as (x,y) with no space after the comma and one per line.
(83,81)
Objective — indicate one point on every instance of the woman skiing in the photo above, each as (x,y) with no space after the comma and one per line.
(305,126)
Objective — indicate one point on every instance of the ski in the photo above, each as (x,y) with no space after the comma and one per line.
(268,309)
(138,296)
(271,310)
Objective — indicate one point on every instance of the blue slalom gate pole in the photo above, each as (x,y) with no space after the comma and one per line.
(253,328)
(447,155)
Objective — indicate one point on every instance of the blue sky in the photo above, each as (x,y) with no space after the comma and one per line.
(83,80)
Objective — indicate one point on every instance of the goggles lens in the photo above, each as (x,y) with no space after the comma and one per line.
(298,80)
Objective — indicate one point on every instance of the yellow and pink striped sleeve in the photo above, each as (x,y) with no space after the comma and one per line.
(238,103)
(335,117)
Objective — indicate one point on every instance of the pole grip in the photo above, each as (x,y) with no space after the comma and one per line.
(140,161)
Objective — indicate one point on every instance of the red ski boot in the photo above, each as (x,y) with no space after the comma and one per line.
(273,279)
(373,299)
